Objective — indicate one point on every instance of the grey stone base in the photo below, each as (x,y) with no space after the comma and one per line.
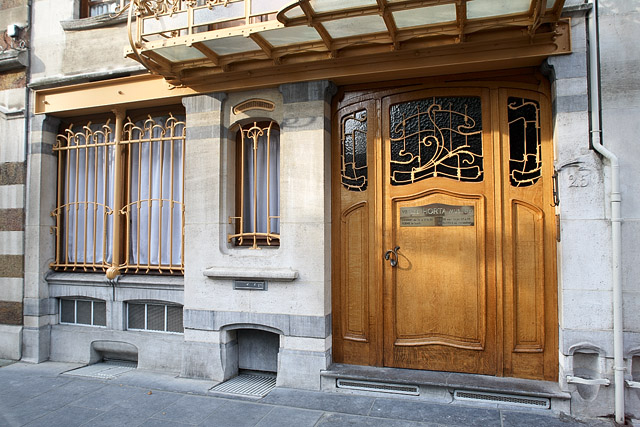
(214,361)
(36,343)
(85,344)
(10,342)
(301,369)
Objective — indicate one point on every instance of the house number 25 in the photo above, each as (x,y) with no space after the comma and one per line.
(580,178)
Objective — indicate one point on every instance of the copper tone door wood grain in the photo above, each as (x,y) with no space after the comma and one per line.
(443,227)
(439,301)
(530,310)
(354,265)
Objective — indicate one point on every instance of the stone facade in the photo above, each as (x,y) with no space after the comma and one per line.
(287,327)
(13,75)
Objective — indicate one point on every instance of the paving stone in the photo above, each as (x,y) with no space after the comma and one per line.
(107,397)
(9,400)
(190,409)
(329,402)
(37,395)
(27,387)
(118,416)
(144,401)
(68,417)
(293,417)
(523,419)
(166,382)
(339,420)
(21,414)
(65,394)
(452,415)
(161,423)
(237,414)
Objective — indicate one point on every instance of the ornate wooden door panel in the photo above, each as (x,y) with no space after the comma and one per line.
(453,187)
(439,300)
(355,265)
(530,309)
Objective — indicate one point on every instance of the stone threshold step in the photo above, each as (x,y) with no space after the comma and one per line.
(448,380)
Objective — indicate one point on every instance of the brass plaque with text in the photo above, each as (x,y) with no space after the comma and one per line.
(437,215)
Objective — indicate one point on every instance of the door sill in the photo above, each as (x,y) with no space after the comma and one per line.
(441,386)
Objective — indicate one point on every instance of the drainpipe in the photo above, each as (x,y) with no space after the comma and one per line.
(616,219)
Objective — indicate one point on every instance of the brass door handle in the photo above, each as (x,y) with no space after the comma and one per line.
(387,256)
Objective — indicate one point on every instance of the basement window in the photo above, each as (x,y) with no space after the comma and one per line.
(83,312)
(154,317)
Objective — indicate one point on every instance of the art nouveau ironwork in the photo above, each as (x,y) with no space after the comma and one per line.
(525,162)
(120,196)
(154,214)
(353,143)
(257,220)
(436,137)
(84,212)
(172,36)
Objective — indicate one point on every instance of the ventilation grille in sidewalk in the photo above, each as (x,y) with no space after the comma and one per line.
(523,401)
(248,384)
(106,370)
(413,390)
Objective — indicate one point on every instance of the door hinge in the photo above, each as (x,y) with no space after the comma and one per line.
(556,190)
(558,227)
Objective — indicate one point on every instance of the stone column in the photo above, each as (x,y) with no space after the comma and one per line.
(39,309)
(206,352)
(12,184)
(306,139)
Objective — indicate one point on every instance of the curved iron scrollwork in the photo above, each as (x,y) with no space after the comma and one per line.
(156,7)
(353,157)
(436,137)
(525,161)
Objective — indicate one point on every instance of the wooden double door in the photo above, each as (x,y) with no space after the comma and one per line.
(444,230)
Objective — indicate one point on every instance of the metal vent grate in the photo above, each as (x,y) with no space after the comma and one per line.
(254,104)
(106,370)
(155,317)
(509,399)
(413,390)
(174,319)
(135,316)
(248,384)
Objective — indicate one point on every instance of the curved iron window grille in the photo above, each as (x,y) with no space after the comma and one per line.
(525,161)
(436,137)
(120,196)
(353,157)
(257,220)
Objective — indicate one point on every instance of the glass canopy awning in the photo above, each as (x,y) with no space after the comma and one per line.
(188,40)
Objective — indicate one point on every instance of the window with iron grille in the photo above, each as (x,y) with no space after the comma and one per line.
(120,194)
(154,317)
(90,8)
(257,220)
(76,311)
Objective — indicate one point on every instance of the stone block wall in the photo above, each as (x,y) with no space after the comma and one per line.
(585,262)
(13,77)
(298,310)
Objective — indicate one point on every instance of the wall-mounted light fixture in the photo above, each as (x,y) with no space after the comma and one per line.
(13,30)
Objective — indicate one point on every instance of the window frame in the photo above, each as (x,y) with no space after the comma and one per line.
(251,239)
(75,311)
(85,7)
(121,180)
(146,305)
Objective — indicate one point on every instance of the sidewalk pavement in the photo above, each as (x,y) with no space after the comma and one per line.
(42,395)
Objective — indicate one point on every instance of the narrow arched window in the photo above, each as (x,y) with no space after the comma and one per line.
(257,220)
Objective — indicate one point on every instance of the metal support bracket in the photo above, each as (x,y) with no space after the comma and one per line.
(588,381)
(632,384)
